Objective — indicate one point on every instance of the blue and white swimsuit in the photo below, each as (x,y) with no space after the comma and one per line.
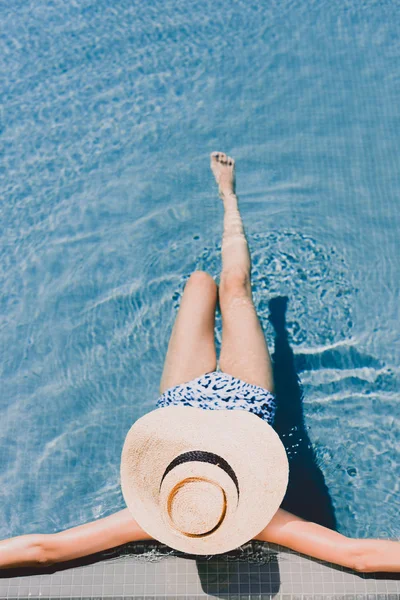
(219,390)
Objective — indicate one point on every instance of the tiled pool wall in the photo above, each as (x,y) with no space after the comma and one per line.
(286,575)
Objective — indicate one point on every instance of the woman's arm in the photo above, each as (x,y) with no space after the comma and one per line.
(366,555)
(46,549)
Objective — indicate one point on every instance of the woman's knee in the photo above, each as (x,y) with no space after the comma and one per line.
(201,279)
(235,282)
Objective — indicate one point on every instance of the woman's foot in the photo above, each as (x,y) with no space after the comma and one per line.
(223,167)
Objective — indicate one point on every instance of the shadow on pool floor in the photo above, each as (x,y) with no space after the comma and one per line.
(307,495)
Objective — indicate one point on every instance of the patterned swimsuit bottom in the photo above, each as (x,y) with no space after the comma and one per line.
(218,390)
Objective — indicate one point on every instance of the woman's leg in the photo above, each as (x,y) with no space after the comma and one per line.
(244,351)
(191,349)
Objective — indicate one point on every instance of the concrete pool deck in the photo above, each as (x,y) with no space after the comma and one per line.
(287,575)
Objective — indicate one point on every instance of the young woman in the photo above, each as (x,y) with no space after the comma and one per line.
(190,364)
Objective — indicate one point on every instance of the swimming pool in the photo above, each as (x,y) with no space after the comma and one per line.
(109,116)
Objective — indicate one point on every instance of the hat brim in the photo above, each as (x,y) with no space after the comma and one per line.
(249,444)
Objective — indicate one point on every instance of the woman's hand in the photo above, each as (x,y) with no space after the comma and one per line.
(47,549)
(364,555)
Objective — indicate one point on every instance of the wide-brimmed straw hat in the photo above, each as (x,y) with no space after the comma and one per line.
(203,481)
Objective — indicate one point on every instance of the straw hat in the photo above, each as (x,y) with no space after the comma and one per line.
(203,481)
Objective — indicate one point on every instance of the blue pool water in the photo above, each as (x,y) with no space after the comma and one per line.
(109,114)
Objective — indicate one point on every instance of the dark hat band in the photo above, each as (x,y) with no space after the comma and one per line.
(203,456)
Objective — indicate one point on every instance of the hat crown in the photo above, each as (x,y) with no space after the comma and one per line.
(196,506)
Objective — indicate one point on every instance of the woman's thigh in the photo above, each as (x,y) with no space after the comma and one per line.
(191,350)
(244,351)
